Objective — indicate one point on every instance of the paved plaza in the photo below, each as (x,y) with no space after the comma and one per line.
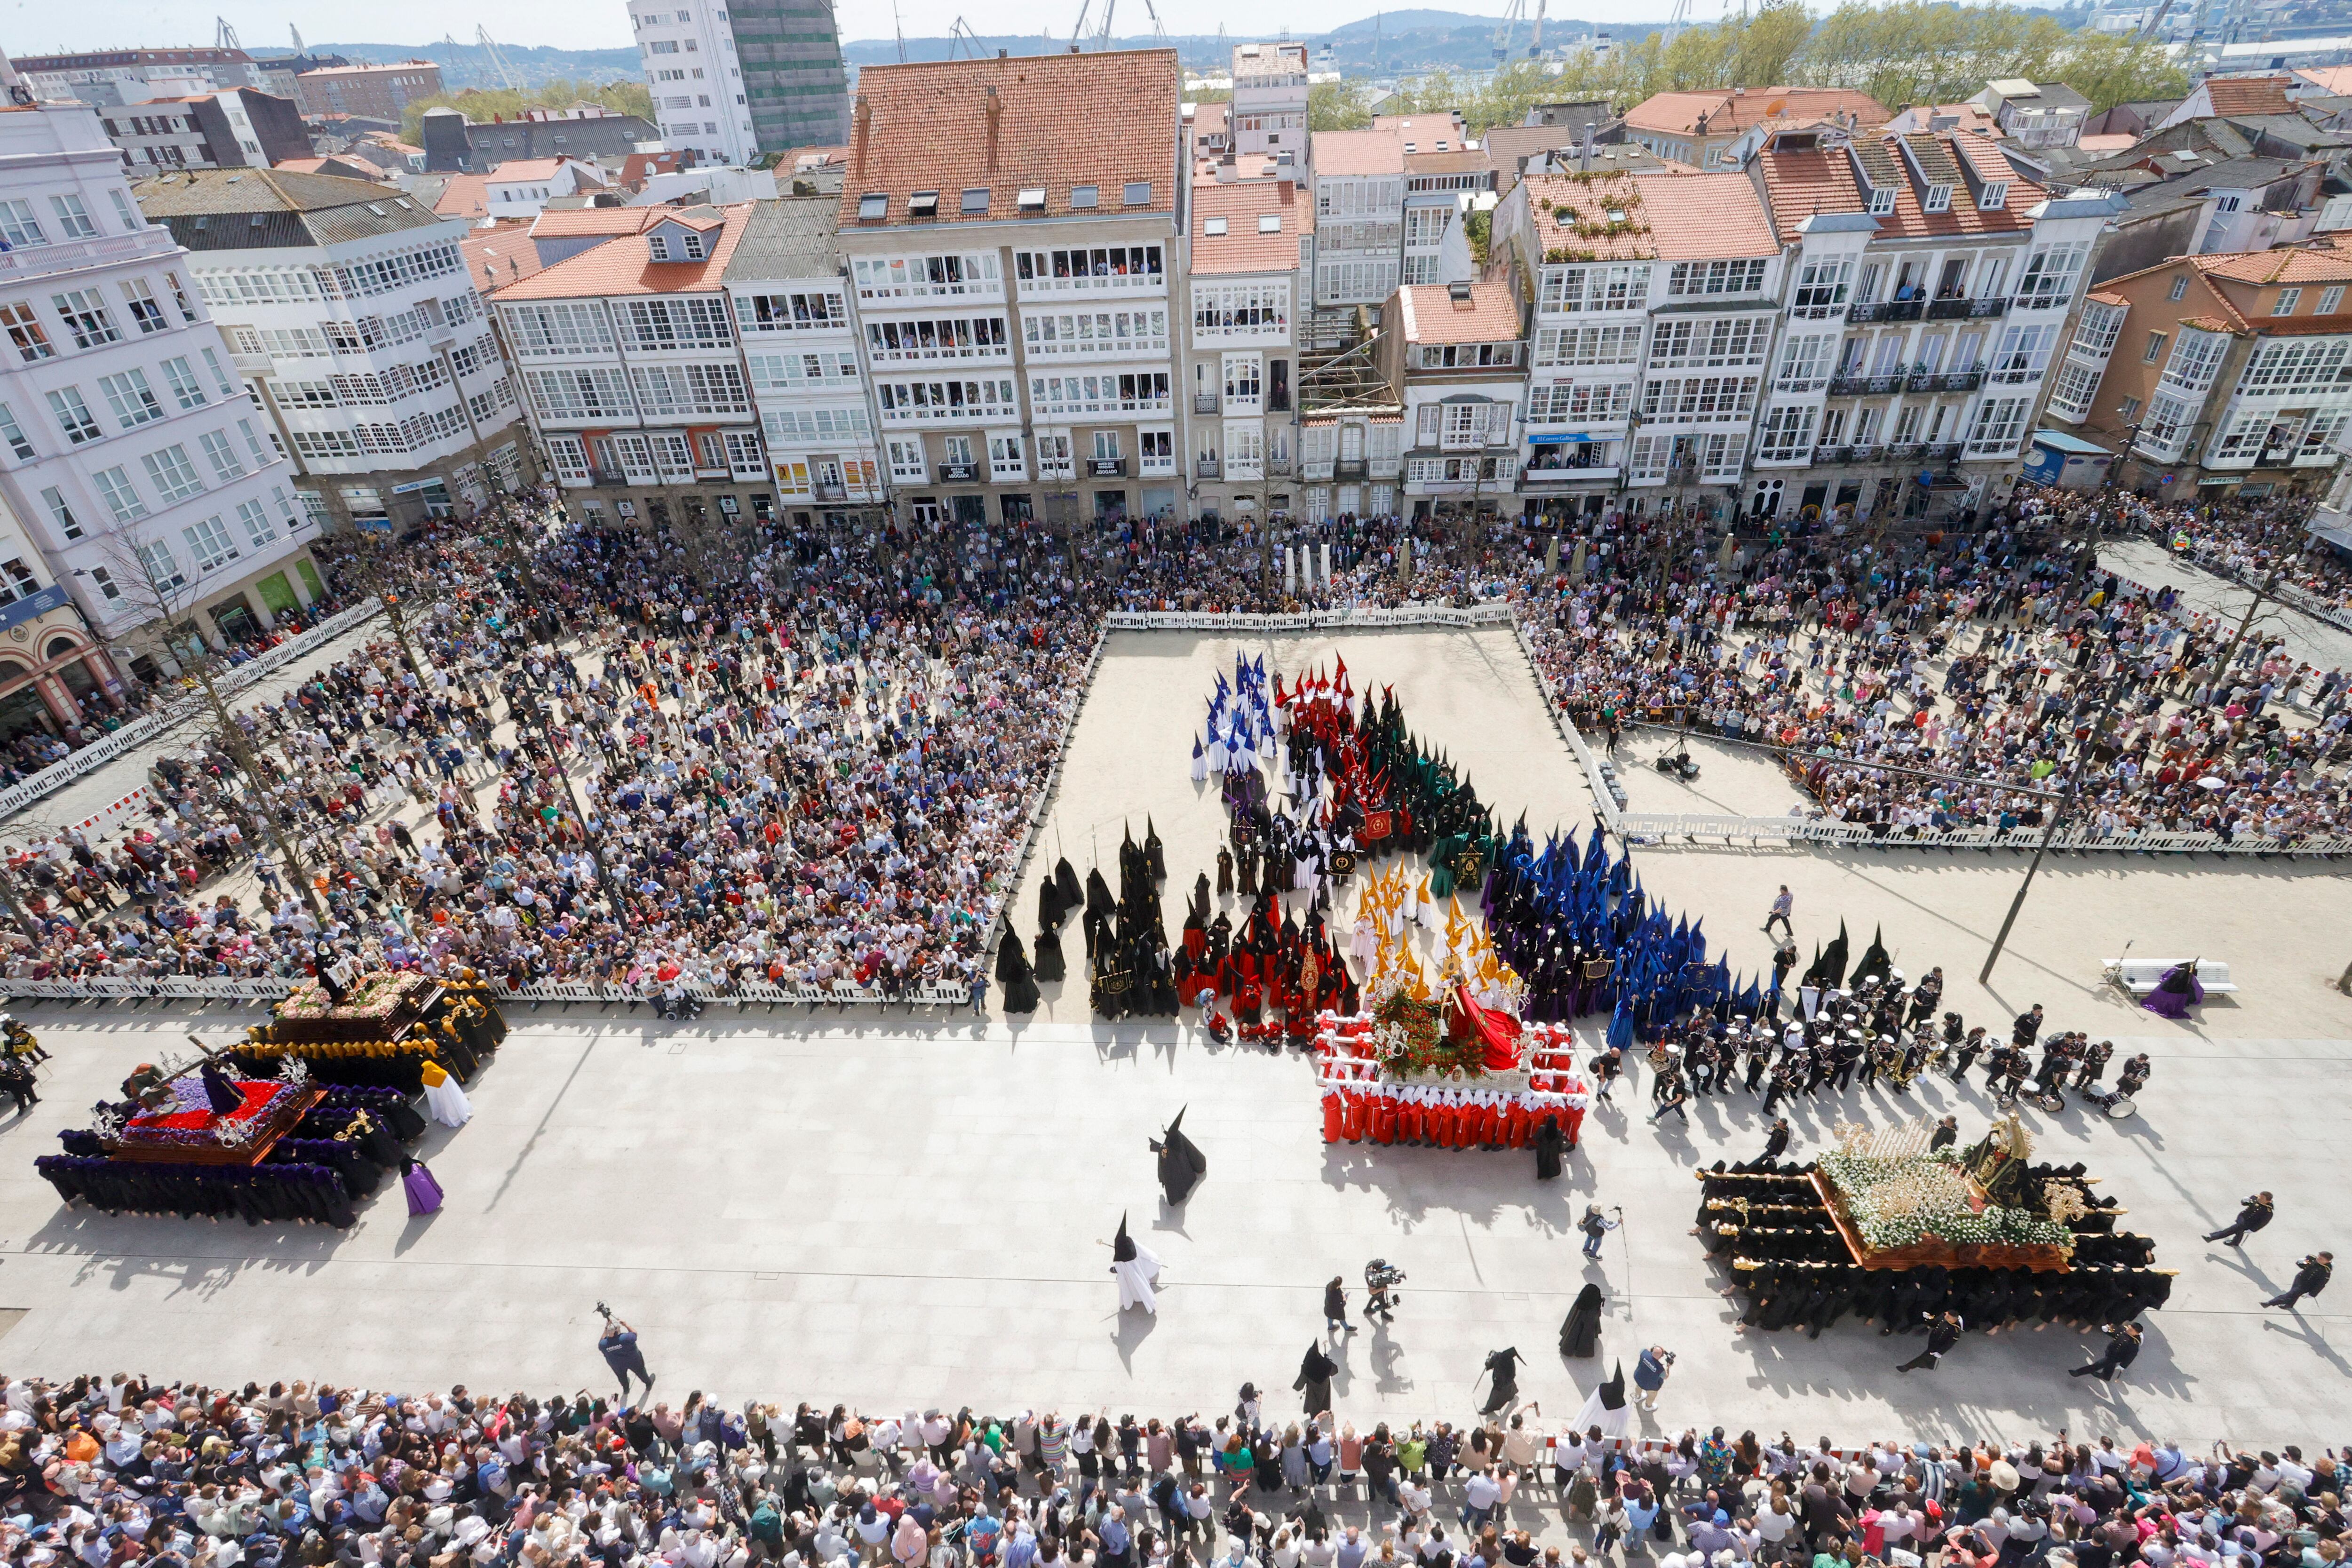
(902,1211)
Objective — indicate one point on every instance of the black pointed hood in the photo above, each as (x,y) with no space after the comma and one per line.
(1122,1247)
(1612,1392)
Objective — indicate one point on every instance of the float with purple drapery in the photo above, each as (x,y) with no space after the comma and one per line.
(299,1121)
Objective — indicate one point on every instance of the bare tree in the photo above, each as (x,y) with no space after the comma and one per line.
(157,584)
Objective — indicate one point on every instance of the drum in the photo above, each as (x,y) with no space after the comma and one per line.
(2120,1107)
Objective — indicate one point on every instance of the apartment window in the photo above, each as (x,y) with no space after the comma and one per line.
(2288,299)
(221,452)
(121,497)
(1106,445)
(2128,409)
(209,542)
(220,376)
(131,221)
(2155,346)
(1138,192)
(253,443)
(258,529)
(2331,299)
(132,399)
(161,566)
(13,433)
(1939,199)
(18,225)
(2050,274)
(1994,195)
(181,380)
(73,415)
(144,308)
(72,221)
(173,477)
(60,513)
(84,310)
(24,331)
(1882,201)
(2179,287)
(105,581)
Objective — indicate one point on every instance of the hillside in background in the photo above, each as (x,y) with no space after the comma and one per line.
(468,65)
(1394,41)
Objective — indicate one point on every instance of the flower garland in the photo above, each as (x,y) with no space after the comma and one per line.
(1901,1202)
(1410,1039)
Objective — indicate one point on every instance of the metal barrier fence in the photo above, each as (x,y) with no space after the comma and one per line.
(139,732)
(1657,827)
(272,988)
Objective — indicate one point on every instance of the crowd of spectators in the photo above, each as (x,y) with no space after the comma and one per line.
(810,757)
(117,1471)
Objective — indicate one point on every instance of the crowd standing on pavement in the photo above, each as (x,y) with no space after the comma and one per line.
(810,756)
(119,1470)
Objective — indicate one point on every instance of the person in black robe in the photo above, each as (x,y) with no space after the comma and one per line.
(1503,1365)
(1551,1146)
(1155,856)
(1181,1163)
(1315,1373)
(1069,895)
(1580,1332)
(220,1090)
(1049,904)
(1049,966)
(1013,973)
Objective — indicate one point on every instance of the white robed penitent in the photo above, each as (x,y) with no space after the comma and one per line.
(1136,1268)
(1606,1409)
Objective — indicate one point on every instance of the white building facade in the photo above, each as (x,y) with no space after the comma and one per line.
(628,357)
(697,77)
(802,353)
(128,447)
(351,312)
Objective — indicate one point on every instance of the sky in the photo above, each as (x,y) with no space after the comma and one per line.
(37,26)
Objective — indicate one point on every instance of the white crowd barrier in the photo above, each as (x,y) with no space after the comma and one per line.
(271,988)
(1660,827)
(1363,618)
(139,732)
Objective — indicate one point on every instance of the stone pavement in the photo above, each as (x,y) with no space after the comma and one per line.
(913,1214)
(901,1210)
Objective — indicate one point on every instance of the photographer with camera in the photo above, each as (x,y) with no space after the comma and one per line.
(618,1346)
(1381,1279)
(1650,1376)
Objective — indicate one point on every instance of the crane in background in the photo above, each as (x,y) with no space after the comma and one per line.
(1512,14)
(296,34)
(962,37)
(225,36)
(498,60)
(1100,38)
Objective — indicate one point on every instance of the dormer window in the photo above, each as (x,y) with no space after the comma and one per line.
(1994,196)
(872,209)
(1939,199)
(657,246)
(1084,195)
(1271,223)
(975,200)
(693,244)
(1881,202)
(1032,198)
(1212,226)
(923,203)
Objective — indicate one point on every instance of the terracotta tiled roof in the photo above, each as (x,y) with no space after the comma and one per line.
(620,267)
(1458,162)
(1210,118)
(2208,324)
(1003,125)
(1820,180)
(2334,80)
(2103,298)
(2249,94)
(1359,152)
(526,169)
(571,223)
(499,255)
(2295,265)
(1244,247)
(1617,203)
(466,196)
(1430,316)
(1728,113)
